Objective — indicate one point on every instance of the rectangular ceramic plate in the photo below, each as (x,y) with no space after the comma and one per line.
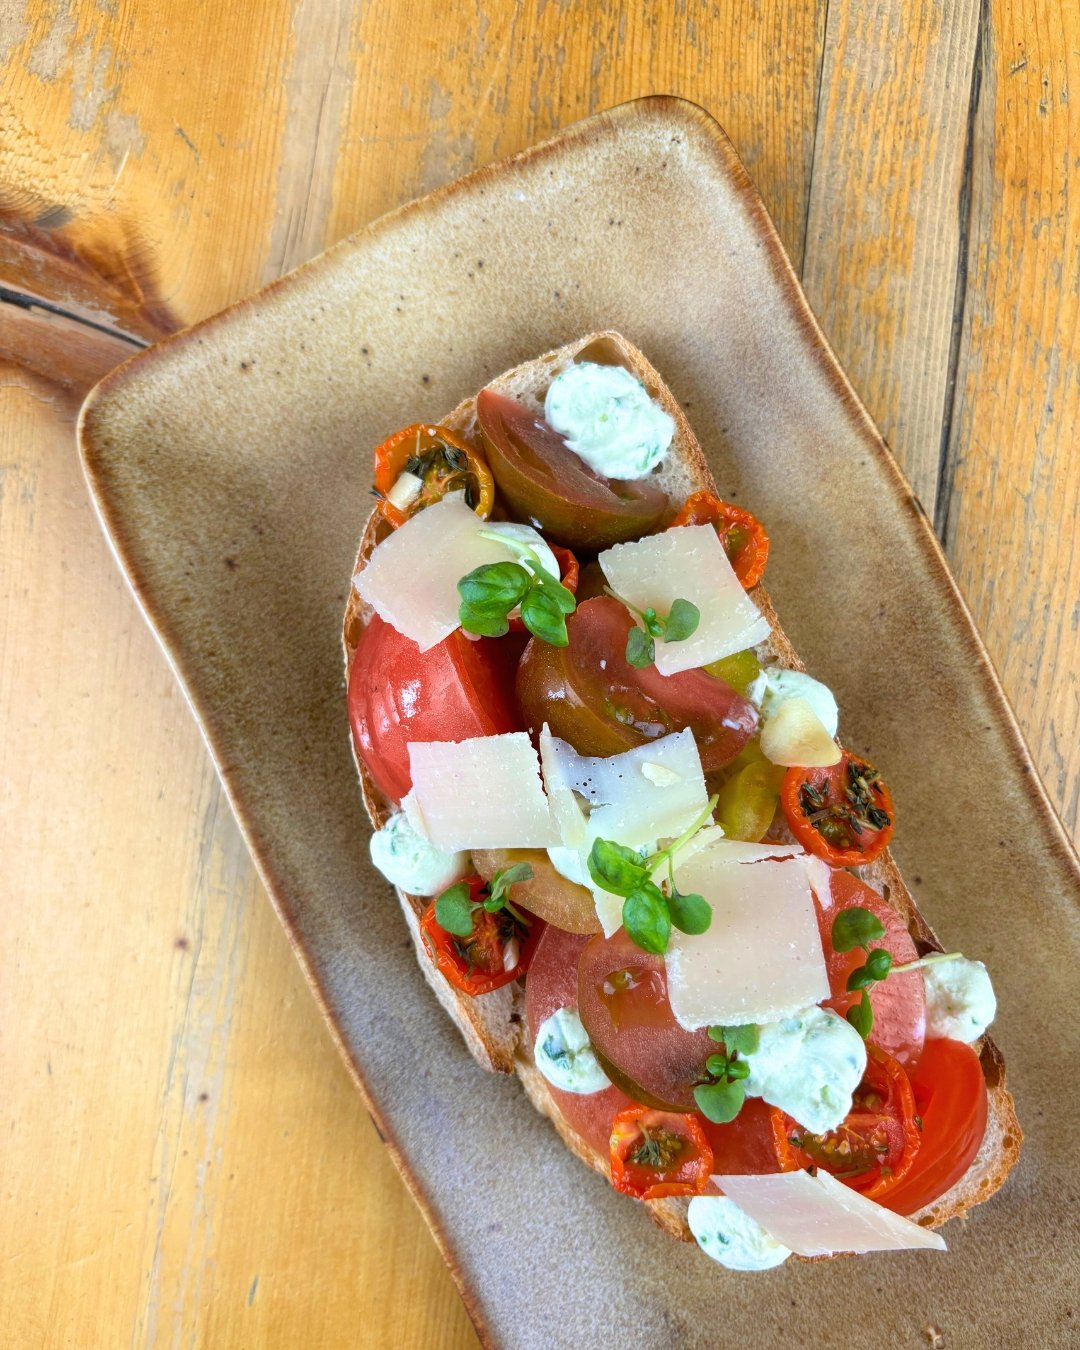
(231,466)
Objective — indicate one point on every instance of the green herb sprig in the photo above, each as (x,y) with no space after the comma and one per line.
(454,909)
(857,927)
(720,1098)
(649,912)
(680,622)
(489,593)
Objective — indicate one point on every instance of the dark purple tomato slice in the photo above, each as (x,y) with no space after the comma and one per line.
(545,483)
(623,1005)
(591,696)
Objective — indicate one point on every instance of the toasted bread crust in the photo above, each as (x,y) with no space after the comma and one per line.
(492,1024)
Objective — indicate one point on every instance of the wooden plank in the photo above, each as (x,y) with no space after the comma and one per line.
(883,234)
(1012,472)
(161,167)
(185,1160)
(156,168)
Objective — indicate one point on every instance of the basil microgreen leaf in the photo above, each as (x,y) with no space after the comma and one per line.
(720,1102)
(648,913)
(860,978)
(646,920)
(490,593)
(689,913)
(682,622)
(615,868)
(742,1040)
(855,927)
(878,963)
(485,621)
(454,911)
(717,1065)
(640,648)
(542,616)
(563,598)
(502,583)
(861,1016)
(738,1068)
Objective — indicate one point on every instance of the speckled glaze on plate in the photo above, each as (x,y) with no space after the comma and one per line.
(230,465)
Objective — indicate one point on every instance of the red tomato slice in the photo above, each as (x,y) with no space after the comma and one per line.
(623,1005)
(593,698)
(950,1099)
(457,689)
(745,1146)
(899,1003)
(551,985)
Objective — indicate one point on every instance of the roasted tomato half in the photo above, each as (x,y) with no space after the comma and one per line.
(591,696)
(742,535)
(876,1144)
(548,485)
(397,694)
(436,462)
(499,949)
(658,1153)
(843,814)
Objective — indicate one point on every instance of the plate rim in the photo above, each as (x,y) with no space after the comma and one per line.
(608,124)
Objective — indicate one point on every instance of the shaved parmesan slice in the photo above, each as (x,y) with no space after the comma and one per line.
(819,874)
(760,959)
(796,736)
(411,577)
(480,793)
(690,564)
(818,1216)
(651,792)
(638,797)
(556,763)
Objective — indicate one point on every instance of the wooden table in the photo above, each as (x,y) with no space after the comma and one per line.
(184,1161)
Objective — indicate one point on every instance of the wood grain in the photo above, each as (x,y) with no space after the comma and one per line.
(883,234)
(186,1162)
(1011,513)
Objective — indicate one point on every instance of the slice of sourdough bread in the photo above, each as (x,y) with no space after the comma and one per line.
(493,1025)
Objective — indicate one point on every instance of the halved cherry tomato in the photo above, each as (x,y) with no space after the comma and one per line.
(498,951)
(454,690)
(899,1002)
(547,893)
(552,984)
(548,485)
(593,698)
(442,461)
(623,1005)
(951,1106)
(843,814)
(568,575)
(876,1144)
(658,1153)
(741,534)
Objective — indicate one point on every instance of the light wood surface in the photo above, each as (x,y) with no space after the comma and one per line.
(184,1160)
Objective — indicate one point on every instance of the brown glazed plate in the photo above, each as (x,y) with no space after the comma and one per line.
(231,468)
